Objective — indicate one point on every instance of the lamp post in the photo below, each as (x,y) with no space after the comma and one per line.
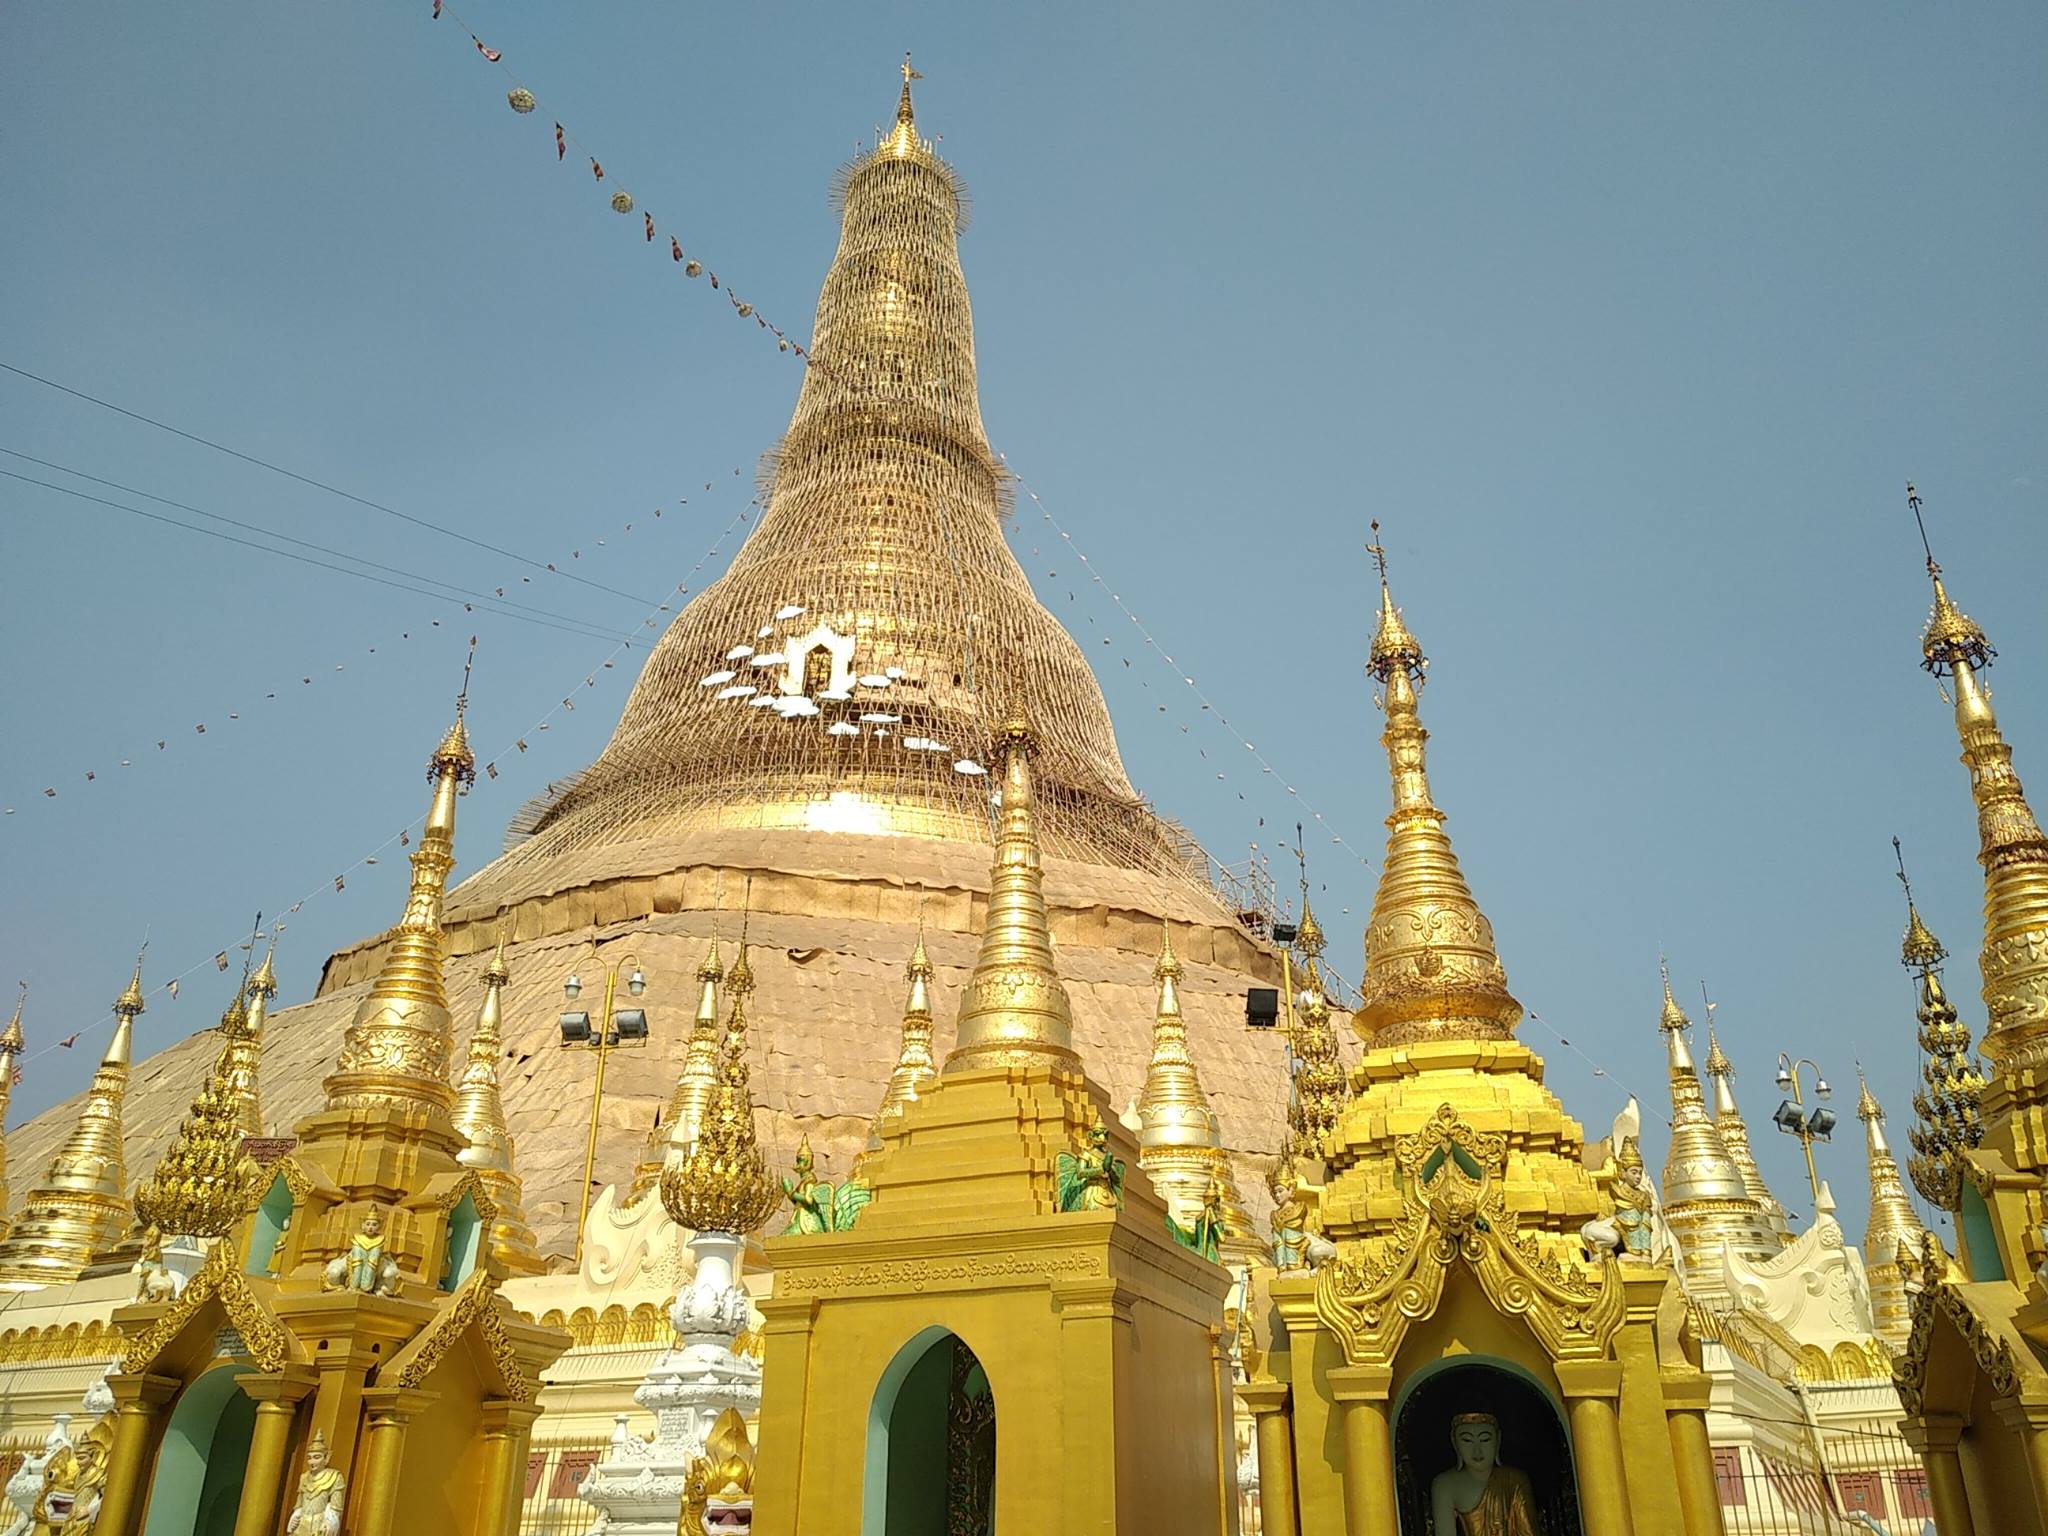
(1795,1119)
(613,1027)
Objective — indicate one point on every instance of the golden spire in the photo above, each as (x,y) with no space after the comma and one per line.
(914,1072)
(1734,1133)
(395,1054)
(2010,844)
(204,1183)
(1318,1069)
(80,1210)
(902,142)
(1431,970)
(1015,1009)
(244,1048)
(12,1044)
(1180,1143)
(672,1134)
(1947,1106)
(1893,1224)
(480,1117)
(721,1184)
(1705,1199)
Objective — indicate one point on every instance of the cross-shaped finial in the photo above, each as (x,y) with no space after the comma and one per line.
(1378,551)
(910,74)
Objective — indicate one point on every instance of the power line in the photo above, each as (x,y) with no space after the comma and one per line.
(320,485)
(488,605)
(270,533)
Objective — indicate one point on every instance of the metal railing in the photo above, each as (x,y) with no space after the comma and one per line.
(1818,1480)
(551,1507)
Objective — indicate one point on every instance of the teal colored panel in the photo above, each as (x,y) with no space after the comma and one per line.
(465,1237)
(210,1422)
(1980,1241)
(917,1446)
(273,1218)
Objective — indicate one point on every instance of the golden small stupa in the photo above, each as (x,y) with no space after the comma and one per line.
(480,1117)
(1894,1227)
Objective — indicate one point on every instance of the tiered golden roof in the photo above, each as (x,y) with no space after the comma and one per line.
(1706,1201)
(1948,1104)
(1431,968)
(1180,1143)
(876,583)
(204,1183)
(721,1184)
(1014,1010)
(245,1068)
(915,1068)
(12,1044)
(1734,1132)
(671,1135)
(80,1210)
(396,1051)
(1318,1069)
(2010,847)
(1894,1226)
(480,1117)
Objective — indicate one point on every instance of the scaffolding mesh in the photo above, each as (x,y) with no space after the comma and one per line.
(848,670)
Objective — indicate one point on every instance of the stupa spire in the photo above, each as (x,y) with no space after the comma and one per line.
(1015,1008)
(1949,1120)
(1431,969)
(1318,1070)
(677,1128)
(243,1049)
(480,1117)
(204,1183)
(80,1209)
(395,1053)
(915,1071)
(1734,1132)
(721,1184)
(12,1044)
(2010,844)
(1705,1199)
(1893,1224)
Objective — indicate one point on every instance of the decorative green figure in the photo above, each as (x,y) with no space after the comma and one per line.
(1093,1178)
(815,1205)
(1206,1236)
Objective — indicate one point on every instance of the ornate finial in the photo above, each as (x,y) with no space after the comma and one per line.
(1951,635)
(129,1004)
(903,140)
(1867,1107)
(479,1117)
(1921,950)
(1673,1020)
(12,1040)
(205,1183)
(915,1069)
(1717,1063)
(263,984)
(1394,649)
(1015,1009)
(722,1184)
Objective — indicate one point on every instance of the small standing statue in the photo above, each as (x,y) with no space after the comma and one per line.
(1478,1496)
(1206,1236)
(1635,1202)
(366,1267)
(155,1281)
(321,1495)
(815,1205)
(1093,1178)
(1290,1219)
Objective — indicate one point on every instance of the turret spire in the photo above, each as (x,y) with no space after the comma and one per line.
(80,1210)
(480,1117)
(1015,1008)
(395,1053)
(2010,843)
(1431,969)
(673,1134)
(915,1071)
(1705,1198)
(1949,1120)
(1734,1130)
(721,1184)
(1318,1069)
(12,1044)
(1893,1225)
(242,1051)
(204,1183)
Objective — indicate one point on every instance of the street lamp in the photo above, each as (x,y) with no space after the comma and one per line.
(613,1027)
(1795,1119)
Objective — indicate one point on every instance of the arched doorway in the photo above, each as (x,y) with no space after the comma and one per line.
(931,1453)
(1532,1437)
(198,1482)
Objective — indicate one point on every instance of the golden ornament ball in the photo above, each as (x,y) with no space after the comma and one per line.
(622,202)
(746,310)
(693,268)
(521,99)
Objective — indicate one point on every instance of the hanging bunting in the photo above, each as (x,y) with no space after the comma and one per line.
(561,144)
(490,54)
(650,225)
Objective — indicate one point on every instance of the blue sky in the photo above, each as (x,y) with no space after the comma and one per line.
(1630,326)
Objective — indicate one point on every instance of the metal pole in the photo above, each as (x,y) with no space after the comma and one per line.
(603,1046)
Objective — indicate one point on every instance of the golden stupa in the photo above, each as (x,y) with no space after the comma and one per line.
(816,728)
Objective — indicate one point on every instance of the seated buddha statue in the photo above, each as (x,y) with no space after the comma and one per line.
(1478,1496)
